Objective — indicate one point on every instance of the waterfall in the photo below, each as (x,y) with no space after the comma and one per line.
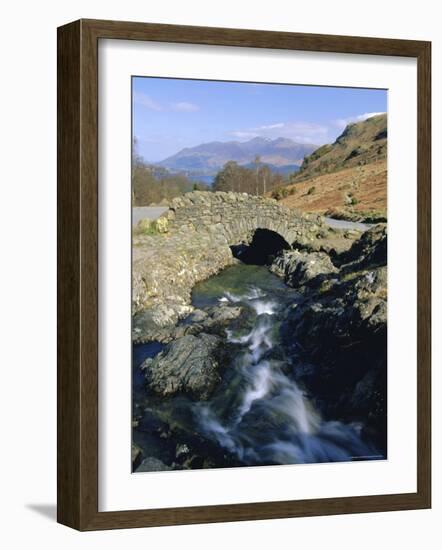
(272,421)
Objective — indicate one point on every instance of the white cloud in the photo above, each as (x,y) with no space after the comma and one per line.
(303,132)
(181,106)
(342,122)
(271,126)
(185,107)
(145,101)
(243,135)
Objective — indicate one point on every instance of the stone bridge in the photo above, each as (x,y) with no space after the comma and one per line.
(196,244)
(234,217)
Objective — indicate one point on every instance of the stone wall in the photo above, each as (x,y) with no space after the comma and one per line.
(236,216)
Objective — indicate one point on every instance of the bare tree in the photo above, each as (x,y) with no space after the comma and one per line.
(257,163)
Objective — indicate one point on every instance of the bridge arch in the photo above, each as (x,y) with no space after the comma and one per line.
(261,249)
(233,218)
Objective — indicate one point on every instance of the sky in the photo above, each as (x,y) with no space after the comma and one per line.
(170,114)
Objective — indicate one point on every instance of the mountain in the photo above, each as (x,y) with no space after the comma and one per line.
(359,144)
(284,169)
(209,158)
(346,179)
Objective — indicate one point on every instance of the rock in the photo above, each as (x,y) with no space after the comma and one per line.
(301,268)
(368,251)
(182,450)
(164,315)
(136,456)
(162,224)
(220,316)
(339,334)
(212,320)
(152,464)
(159,323)
(188,365)
(197,316)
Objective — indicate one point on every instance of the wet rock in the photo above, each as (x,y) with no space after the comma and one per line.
(188,365)
(136,456)
(143,333)
(368,251)
(340,330)
(149,324)
(152,464)
(197,316)
(212,320)
(302,268)
(220,316)
(182,452)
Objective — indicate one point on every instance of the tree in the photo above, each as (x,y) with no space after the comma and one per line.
(257,163)
(266,177)
(228,178)
(153,184)
(257,180)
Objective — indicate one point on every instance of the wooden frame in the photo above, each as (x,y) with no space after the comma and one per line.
(78,274)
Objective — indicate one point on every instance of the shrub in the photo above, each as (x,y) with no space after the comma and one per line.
(162,225)
(152,227)
(311,190)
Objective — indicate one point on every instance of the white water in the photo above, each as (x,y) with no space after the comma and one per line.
(273,422)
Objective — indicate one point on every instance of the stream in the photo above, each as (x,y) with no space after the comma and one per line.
(258,414)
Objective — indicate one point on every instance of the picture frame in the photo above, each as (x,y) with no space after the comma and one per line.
(78,274)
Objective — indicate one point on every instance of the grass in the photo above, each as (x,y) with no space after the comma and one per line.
(354,194)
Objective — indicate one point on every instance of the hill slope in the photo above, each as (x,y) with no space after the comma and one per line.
(208,158)
(359,144)
(346,179)
(358,193)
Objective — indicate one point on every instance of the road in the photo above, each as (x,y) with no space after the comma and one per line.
(344,224)
(150,212)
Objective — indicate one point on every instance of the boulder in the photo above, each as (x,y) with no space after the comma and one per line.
(302,268)
(211,320)
(152,464)
(136,456)
(188,365)
(368,251)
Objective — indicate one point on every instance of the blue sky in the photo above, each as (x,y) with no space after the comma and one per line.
(170,114)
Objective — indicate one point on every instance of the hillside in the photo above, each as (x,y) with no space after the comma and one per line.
(359,144)
(358,193)
(209,158)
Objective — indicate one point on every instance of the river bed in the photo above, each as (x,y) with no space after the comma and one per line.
(258,415)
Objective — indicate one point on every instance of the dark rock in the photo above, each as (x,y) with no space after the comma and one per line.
(302,268)
(136,456)
(368,251)
(152,464)
(143,334)
(188,365)
(220,316)
(197,316)
(212,320)
(340,332)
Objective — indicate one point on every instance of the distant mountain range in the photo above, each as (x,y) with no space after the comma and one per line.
(282,155)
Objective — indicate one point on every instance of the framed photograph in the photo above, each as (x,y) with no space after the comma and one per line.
(236,340)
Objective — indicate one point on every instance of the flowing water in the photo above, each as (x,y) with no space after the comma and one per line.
(259,414)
